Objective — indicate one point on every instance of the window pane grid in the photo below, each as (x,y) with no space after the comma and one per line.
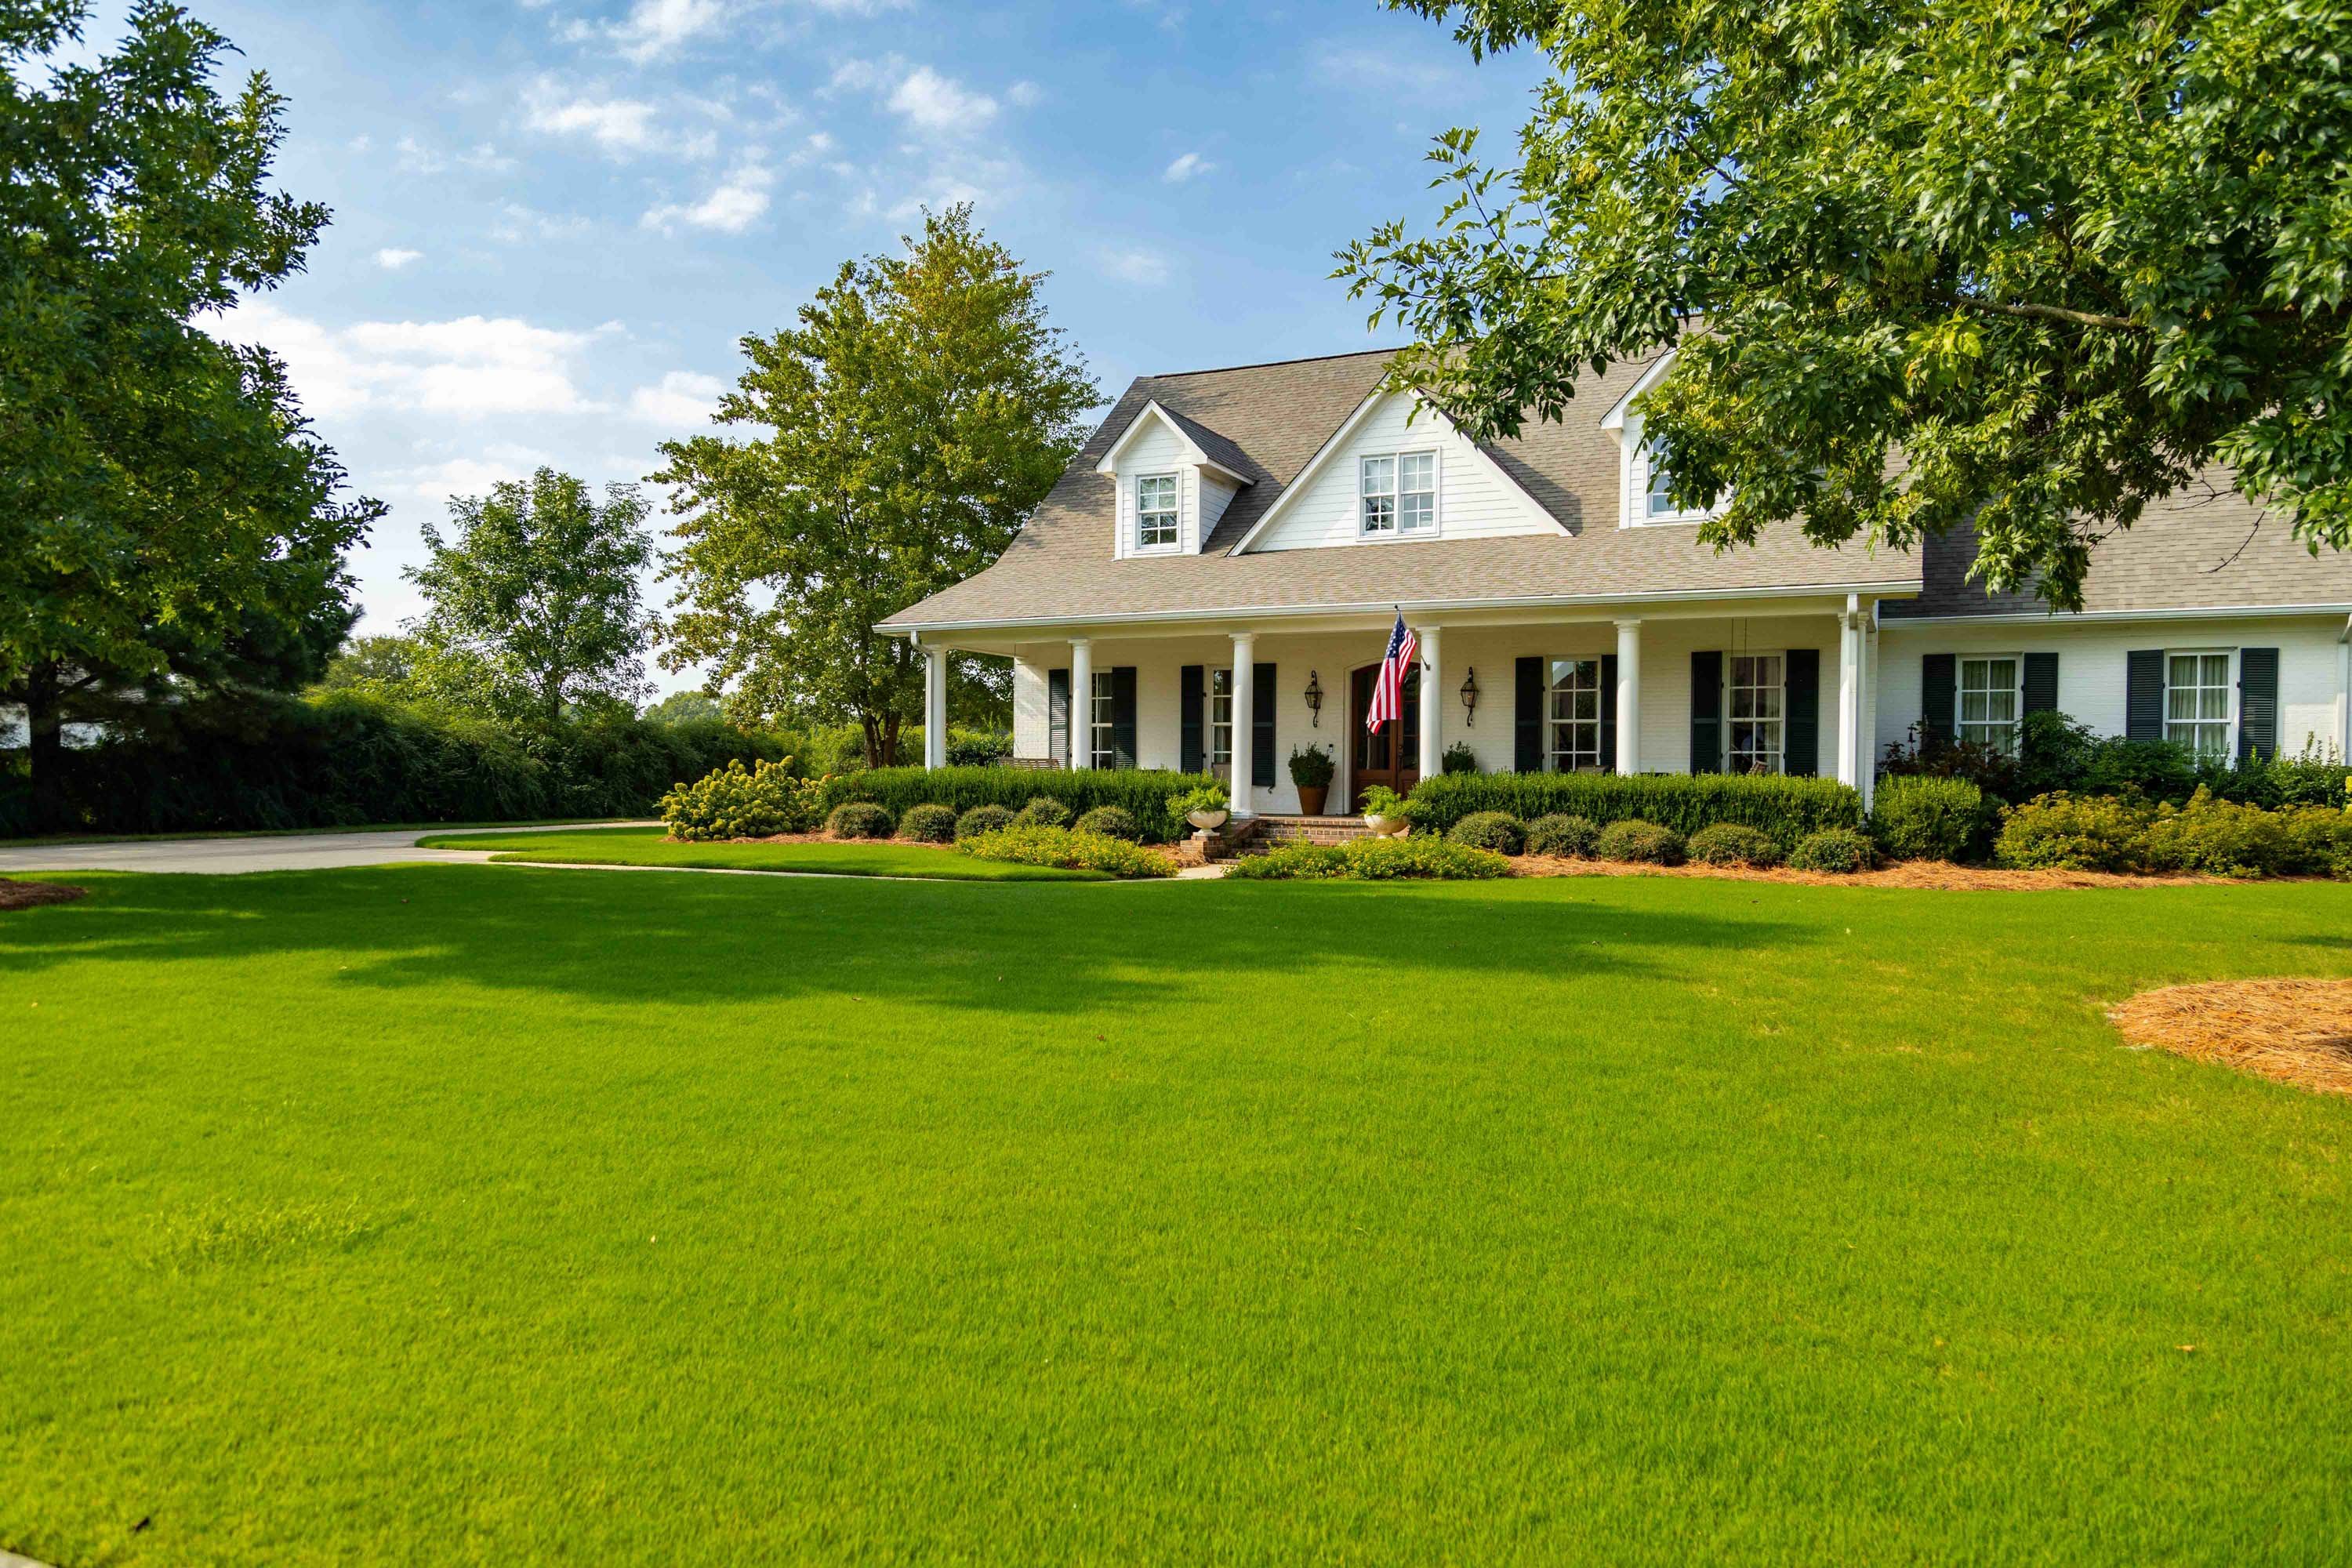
(1399,494)
(1990,701)
(1575,728)
(1754,695)
(1155,510)
(1103,707)
(2197,702)
(1221,717)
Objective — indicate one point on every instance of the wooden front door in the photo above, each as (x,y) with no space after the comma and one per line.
(1393,757)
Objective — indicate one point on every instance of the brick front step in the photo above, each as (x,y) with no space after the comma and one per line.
(1273,831)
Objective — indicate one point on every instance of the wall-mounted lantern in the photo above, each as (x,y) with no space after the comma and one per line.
(1314,697)
(1470,699)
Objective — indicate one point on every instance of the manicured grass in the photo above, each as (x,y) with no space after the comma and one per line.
(651,846)
(449,1214)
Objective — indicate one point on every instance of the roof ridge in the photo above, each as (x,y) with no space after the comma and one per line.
(1265,364)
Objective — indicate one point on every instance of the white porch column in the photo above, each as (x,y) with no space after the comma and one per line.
(1629,697)
(2344,693)
(935,707)
(1432,704)
(1244,725)
(1869,758)
(1848,710)
(1082,703)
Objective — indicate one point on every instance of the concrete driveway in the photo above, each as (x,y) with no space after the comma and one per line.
(291,852)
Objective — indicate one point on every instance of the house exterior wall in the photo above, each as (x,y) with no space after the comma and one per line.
(1158,451)
(2092,661)
(1474,500)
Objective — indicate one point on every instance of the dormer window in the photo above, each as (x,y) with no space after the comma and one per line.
(1400,494)
(1155,512)
(1662,481)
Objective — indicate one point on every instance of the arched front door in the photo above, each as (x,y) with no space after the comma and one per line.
(1393,757)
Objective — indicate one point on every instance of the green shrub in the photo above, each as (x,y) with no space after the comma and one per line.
(1380,800)
(2072,833)
(928,823)
(978,748)
(1504,834)
(1043,811)
(2319,841)
(1112,822)
(1842,850)
(1030,846)
(1630,838)
(1734,844)
(1210,796)
(1312,767)
(1375,860)
(982,819)
(1787,809)
(740,803)
(1923,819)
(1143,792)
(858,819)
(1459,758)
(1562,835)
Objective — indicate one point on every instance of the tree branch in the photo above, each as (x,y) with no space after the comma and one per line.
(2041,312)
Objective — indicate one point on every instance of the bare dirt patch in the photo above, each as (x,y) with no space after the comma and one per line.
(2296,1031)
(1930,874)
(29,895)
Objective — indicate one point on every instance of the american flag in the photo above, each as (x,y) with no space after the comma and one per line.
(1387,691)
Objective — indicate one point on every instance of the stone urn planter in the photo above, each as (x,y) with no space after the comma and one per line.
(1206,821)
(1312,798)
(1384,826)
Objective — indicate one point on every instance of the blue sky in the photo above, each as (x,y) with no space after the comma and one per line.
(553,219)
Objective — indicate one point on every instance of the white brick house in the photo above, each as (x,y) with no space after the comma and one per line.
(1214,576)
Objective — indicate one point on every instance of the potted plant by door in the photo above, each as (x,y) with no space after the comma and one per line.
(1310,770)
(1384,811)
(1205,807)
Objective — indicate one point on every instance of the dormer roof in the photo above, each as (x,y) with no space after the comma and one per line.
(1202,446)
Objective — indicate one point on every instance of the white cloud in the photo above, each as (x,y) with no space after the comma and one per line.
(434,484)
(414,157)
(519,224)
(653,28)
(1025,94)
(734,205)
(1147,267)
(391,257)
(472,365)
(1191,166)
(940,105)
(684,397)
(617,127)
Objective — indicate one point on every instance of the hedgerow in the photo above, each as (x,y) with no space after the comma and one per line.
(1068,848)
(1920,818)
(1787,809)
(1374,861)
(1143,793)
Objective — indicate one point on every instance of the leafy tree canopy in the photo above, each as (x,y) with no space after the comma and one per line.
(532,605)
(918,412)
(383,665)
(2032,261)
(168,519)
(684,708)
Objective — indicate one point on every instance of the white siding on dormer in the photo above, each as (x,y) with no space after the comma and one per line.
(1158,451)
(1215,495)
(1475,501)
(1634,499)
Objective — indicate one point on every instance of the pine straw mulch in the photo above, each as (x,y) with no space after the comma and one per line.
(27,895)
(1931,873)
(2296,1031)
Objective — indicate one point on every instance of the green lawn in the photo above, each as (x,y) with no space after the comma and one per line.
(650,847)
(282,832)
(442,1215)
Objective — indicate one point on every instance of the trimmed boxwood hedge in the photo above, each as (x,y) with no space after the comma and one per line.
(1142,792)
(1788,808)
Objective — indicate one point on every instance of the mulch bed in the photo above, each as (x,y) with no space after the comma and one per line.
(29,895)
(2296,1031)
(1930,874)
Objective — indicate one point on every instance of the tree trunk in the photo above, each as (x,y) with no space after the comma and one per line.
(890,741)
(871,730)
(46,748)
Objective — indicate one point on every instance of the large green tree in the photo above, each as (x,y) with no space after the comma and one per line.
(918,412)
(2035,262)
(168,521)
(532,603)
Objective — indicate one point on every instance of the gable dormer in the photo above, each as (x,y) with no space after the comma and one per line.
(1171,488)
(1644,496)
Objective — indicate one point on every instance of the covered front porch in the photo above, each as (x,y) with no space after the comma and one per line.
(1774,686)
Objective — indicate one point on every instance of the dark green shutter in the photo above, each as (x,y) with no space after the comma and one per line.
(1057,716)
(1192,700)
(1526,725)
(2144,694)
(1262,679)
(1122,716)
(1800,742)
(1608,712)
(2042,683)
(2258,714)
(1939,680)
(1707,713)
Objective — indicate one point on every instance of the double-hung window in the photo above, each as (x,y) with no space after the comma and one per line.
(1661,498)
(1755,691)
(1992,696)
(1574,738)
(2198,700)
(1398,495)
(1155,512)
(1101,710)
(1221,719)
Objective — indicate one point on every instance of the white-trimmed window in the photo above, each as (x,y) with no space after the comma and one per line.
(1398,492)
(1100,713)
(1992,696)
(1755,695)
(1572,730)
(1221,719)
(2200,700)
(1661,496)
(1155,512)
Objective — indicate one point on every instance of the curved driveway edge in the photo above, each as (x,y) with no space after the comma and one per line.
(289,852)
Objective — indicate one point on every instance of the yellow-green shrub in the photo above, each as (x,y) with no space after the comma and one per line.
(1068,848)
(740,803)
